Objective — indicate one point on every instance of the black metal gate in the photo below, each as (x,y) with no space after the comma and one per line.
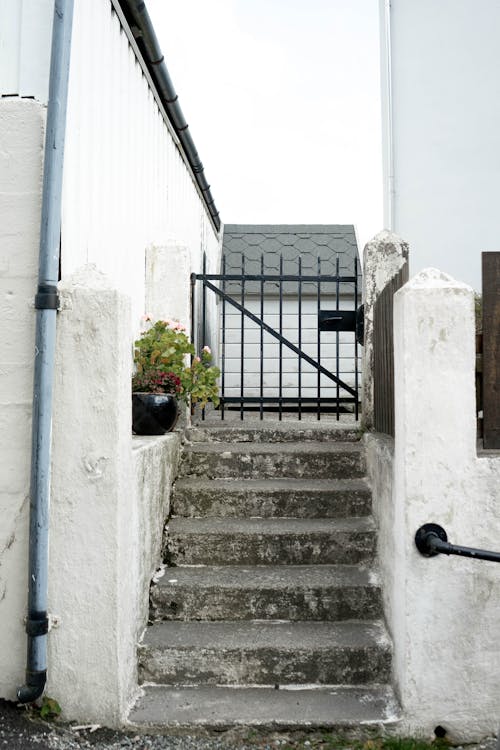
(256,301)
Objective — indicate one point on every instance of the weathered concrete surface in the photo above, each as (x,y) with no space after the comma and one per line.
(22,124)
(155,463)
(279,592)
(335,708)
(446,610)
(270,545)
(265,653)
(274,432)
(443,610)
(214,541)
(383,257)
(259,461)
(379,450)
(167,282)
(293,498)
(94,516)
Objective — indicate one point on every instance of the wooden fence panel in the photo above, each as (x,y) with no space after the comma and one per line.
(491,350)
(383,354)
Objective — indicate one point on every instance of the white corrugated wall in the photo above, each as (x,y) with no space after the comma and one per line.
(126,185)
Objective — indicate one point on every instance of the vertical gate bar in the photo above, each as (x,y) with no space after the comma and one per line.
(300,338)
(356,376)
(223,358)
(337,336)
(242,372)
(193,309)
(261,406)
(319,341)
(194,321)
(203,320)
(281,345)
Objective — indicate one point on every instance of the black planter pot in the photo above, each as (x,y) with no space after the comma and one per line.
(154,413)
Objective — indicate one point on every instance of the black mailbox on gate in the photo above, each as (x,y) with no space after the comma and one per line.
(337,320)
(343,320)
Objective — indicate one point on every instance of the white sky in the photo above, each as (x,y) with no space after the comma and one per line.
(282,100)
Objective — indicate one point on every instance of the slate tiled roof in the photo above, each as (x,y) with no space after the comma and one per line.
(307,241)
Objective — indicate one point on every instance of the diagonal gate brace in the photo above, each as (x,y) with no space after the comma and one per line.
(278,336)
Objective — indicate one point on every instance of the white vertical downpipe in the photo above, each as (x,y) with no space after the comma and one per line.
(387,113)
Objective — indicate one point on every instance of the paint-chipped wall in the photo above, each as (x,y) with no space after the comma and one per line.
(126,186)
(110,498)
(21,164)
(443,613)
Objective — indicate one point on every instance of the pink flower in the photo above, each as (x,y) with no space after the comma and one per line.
(145,318)
(206,350)
(196,359)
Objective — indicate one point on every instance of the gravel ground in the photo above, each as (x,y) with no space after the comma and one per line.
(21,729)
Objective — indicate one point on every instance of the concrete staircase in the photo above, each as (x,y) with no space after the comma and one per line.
(271,616)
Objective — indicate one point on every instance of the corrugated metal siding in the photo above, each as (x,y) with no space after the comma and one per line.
(25,35)
(126,185)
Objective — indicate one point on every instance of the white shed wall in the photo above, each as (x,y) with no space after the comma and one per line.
(442,142)
(271,350)
(126,184)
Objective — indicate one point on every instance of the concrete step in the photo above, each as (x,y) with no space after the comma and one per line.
(273,432)
(269,460)
(266,709)
(270,592)
(269,541)
(293,498)
(265,653)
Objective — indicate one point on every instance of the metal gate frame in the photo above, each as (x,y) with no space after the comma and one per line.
(328,320)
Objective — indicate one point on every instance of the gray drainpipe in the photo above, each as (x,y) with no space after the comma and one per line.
(137,16)
(46,304)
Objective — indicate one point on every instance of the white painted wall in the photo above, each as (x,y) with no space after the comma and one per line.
(110,499)
(126,184)
(290,329)
(25,36)
(442,141)
(22,124)
(443,612)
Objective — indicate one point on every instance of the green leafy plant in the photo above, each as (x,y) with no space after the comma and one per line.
(165,362)
(50,708)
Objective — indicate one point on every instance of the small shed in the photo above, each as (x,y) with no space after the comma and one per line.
(256,363)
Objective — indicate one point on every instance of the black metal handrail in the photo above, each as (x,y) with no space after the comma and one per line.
(431,540)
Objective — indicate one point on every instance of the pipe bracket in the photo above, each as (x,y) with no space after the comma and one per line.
(38,625)
(47,297)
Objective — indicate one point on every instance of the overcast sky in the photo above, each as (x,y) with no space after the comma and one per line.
(282,100)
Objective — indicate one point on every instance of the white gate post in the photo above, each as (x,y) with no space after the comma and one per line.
(444,611)
(94,534)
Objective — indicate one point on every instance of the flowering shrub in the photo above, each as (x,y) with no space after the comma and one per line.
(156,382)
(160,358)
